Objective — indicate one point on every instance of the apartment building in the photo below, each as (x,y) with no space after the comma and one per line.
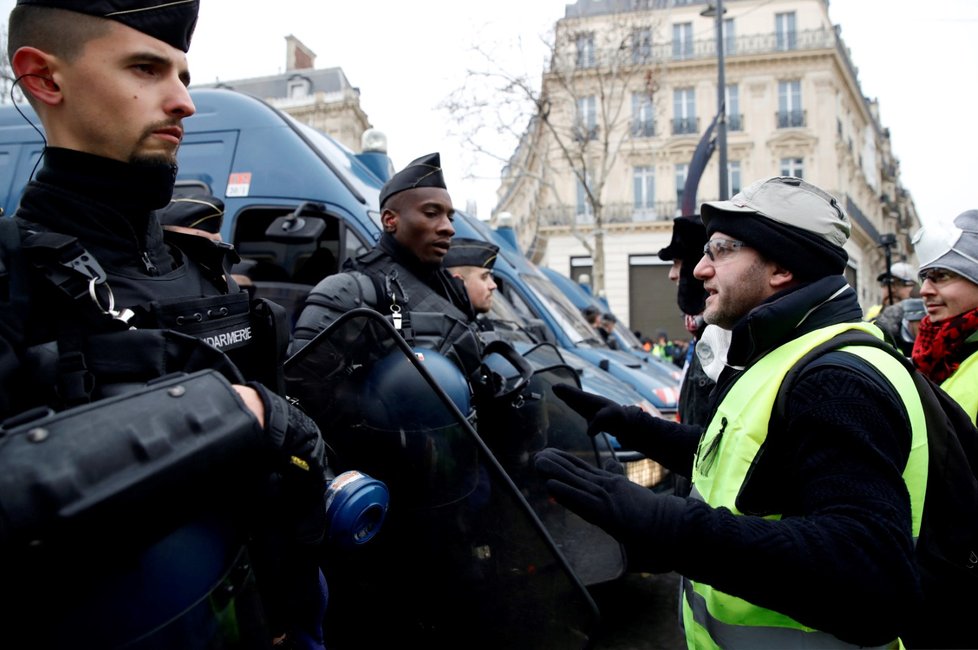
(322,98)
(632,86)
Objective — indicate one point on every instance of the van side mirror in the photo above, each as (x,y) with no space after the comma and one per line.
(295,228)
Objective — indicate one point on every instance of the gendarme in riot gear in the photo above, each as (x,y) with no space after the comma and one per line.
(152,477)
(402,277)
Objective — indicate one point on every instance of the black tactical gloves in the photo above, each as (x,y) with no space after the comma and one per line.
(296,438)
(300,454)
(669,443)
(648,525)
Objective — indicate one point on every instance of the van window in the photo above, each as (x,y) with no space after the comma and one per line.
(284,272)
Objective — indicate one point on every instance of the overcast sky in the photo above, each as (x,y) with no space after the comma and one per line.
(406,57)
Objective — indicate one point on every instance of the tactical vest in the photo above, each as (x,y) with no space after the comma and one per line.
(422,316)
(963,385)
(728,449)
(76,340)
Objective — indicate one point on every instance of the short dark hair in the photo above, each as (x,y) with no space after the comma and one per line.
(59,32)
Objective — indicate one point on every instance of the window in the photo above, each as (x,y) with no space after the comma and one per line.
(735,121)
(585,50)
(584,214)
(298,88)
(784,30)
(790,113)
(729,36)
(643,119)
(683,111)
(682,40)
(793,167)
(641,45)
(682,169)
(733,176)
(586,126)
(643,184)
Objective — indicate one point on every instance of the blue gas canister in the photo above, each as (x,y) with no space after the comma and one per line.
(356,505)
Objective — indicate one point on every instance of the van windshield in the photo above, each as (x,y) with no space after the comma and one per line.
(344,162)
(567,316)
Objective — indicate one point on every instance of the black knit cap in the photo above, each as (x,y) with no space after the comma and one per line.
(470,252)
(171,21)
(200,212)
(421,172)
(688,238)
(788,221)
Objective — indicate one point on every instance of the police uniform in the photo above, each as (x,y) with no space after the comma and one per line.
(479,254)
(427,305)
(138,519)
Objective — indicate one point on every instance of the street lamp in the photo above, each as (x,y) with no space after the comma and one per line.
(717,11)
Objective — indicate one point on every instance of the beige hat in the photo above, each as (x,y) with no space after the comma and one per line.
(791,201)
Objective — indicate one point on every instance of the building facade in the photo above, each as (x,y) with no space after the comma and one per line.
(320,98)
(633,84)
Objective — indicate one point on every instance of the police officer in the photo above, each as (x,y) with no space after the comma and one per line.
(403,277)
(799,529)
(128,524)
(471,261)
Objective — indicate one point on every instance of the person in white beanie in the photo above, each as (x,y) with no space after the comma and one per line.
(946,347)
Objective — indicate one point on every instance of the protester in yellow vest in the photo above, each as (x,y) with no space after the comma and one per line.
(946,347)
(799,531)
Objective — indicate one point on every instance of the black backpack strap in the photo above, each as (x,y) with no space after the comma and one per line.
(817,356)
(759,494)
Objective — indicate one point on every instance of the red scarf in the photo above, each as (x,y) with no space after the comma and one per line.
(939,348)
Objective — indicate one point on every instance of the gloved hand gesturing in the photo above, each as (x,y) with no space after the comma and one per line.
(647,524)
(630,424)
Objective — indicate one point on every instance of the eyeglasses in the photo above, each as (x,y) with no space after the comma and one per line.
(719,250)
(938,276)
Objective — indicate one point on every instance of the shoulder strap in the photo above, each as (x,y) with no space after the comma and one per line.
(841,340)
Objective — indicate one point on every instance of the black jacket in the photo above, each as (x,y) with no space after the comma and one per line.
(434,307)
(841,557)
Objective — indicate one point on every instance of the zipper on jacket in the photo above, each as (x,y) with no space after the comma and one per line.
(148,263)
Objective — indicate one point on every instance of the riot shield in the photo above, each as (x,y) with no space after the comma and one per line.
(461,560)
(522,424)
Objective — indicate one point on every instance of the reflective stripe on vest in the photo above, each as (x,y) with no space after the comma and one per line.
(725,635)
(737,430)
(963,386)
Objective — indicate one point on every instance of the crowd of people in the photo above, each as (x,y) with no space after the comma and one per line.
(204,526)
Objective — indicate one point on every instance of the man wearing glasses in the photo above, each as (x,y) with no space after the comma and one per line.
(798,531)
(946,347)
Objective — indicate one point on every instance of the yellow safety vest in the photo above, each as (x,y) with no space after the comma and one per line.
(712,618)
(963,386)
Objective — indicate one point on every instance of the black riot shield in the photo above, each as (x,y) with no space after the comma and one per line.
(524,422)
(461,560)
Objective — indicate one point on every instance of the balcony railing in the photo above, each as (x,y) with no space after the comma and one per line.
(611,213)
(749,44)
(790,119)
(685,125)
(642,128)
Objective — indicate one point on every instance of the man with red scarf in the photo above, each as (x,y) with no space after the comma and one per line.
(946,348)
